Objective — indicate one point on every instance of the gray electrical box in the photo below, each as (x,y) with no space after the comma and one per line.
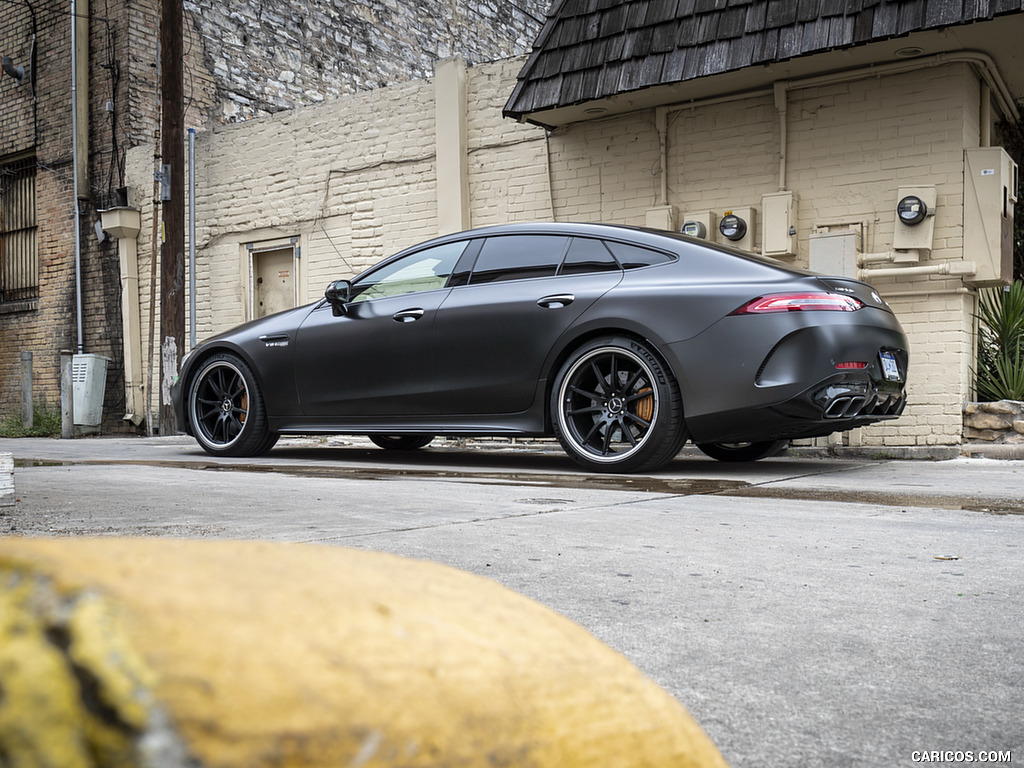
(834,253)
(990,194)
(778,227)
(89,381)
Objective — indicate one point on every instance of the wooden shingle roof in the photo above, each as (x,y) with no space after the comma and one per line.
(594,49)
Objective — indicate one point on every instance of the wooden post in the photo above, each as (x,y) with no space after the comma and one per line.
(67,394)
(27,417)
(172,256)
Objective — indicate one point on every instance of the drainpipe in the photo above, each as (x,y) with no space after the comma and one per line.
(124,223)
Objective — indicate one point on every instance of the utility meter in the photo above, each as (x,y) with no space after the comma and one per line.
(911,210)
(695,229)
(737,228)
(732,227)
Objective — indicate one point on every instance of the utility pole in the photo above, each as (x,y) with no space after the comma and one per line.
(172,253)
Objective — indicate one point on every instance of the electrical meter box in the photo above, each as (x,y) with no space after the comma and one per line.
(701,224)
(915,223)
(990,194)
(662,217)
(835,252)
(738,227)
(778,228)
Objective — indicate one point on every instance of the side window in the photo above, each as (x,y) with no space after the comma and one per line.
(425,270)
(586,255)
(633,256)
(515,257)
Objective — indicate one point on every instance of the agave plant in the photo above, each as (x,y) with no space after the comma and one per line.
(1000,373)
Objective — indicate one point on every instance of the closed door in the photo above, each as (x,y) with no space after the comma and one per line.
(275,281)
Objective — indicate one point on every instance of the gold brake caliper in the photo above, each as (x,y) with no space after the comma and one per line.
(644,407)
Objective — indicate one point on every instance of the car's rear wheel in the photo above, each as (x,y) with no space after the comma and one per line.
(744,451)
(401,442)
(616,408)
(226,411)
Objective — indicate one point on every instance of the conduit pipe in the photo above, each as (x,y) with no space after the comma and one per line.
(661,123)
(986,115)
(781,100)
(75,170)
(944,268)
(993,84)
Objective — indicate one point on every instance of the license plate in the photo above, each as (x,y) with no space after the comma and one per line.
(889,367)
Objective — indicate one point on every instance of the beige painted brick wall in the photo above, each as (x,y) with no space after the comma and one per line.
(354,180)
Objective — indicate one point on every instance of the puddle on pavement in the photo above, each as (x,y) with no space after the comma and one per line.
(581,481)
(673,486)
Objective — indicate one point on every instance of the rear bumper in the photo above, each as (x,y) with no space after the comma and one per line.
(788,376)
(841,402)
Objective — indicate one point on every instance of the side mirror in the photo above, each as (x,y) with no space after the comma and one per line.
(337,295)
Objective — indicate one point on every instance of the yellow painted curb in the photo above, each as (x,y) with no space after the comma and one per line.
(226,654)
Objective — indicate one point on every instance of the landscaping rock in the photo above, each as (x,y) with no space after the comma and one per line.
(230,654)
(996,422)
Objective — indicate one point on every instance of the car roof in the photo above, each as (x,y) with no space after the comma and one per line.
(654,238)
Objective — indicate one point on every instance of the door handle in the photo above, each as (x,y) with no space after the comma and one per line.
(556,301)
(407,315)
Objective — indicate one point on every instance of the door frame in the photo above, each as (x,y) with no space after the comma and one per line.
(254,250)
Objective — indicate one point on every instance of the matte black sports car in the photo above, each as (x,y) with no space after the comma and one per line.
(621,342)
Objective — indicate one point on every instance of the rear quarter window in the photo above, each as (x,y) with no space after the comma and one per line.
(635,256)
(587,255)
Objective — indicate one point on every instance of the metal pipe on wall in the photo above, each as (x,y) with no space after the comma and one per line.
(75,171)
(992,82)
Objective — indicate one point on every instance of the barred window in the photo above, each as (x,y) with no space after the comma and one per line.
(19,259)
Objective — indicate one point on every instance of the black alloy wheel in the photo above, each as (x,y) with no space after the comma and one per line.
(401,442)
(744,451)
(225,409)
(615,408)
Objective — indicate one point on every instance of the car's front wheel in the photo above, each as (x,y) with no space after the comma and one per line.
(616,408)
(401,442)
(744,451)
(225,409)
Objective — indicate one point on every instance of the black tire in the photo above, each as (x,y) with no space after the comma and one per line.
(744,451)
(616,408)
(401,442)
(225,409)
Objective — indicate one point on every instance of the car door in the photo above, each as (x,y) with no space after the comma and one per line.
(493,335)
(375,360)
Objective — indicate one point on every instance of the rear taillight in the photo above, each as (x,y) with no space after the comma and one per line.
(851,366)
(801,302)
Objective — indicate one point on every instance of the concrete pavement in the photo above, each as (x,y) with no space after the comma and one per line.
(807,611)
